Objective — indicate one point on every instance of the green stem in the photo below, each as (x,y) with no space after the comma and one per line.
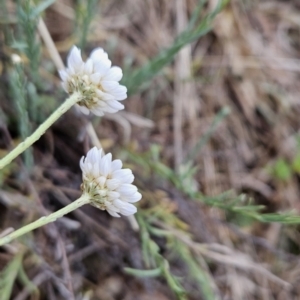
(40,130)
(84,199)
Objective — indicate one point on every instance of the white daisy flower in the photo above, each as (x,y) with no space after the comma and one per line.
(96,80)
(108,185)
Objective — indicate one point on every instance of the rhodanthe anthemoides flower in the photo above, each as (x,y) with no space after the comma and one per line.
(107,184)
(95,80)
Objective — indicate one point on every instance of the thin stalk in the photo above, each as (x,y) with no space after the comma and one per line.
(84,199)
(39,131)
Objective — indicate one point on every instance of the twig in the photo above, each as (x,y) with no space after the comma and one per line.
(93,135)
(83,253)
(179,89)
(44,32)
(66,269)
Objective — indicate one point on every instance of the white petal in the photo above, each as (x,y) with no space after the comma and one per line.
(109,109)
(74,58)
(124,207)
(111,209)
(98,112)
(119,174)
(128,178)
(112,184)
(127,189)
(96,171)
(115,104)
(114,74)
(105,165)
(120,97)
(101,181)
(99,103)
(102,66)
(81,163)
(134,198)
(92,156)
(111,206)
(71,70)
(104,96)
(127,211)
(98,54)
(120,93)
(88,66)
(113,195)
(63,75)
(83,109)
(116,165)
(121,89)
(88,167)
(112,213)
(95,78)
(109,86)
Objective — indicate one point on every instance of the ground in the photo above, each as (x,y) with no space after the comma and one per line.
(210,131)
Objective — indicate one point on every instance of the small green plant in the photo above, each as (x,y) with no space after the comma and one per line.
(85,11)
(17,80)
(28,16)
(159,266)
(283,169)
(12,272)
(228,201)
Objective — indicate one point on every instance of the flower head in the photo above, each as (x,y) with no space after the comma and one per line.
(16,59)
(96,80)
(108,185)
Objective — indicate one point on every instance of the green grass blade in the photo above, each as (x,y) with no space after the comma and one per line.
(137,79)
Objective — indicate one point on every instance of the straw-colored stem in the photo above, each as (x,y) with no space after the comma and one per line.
(84,199)
(40,130)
